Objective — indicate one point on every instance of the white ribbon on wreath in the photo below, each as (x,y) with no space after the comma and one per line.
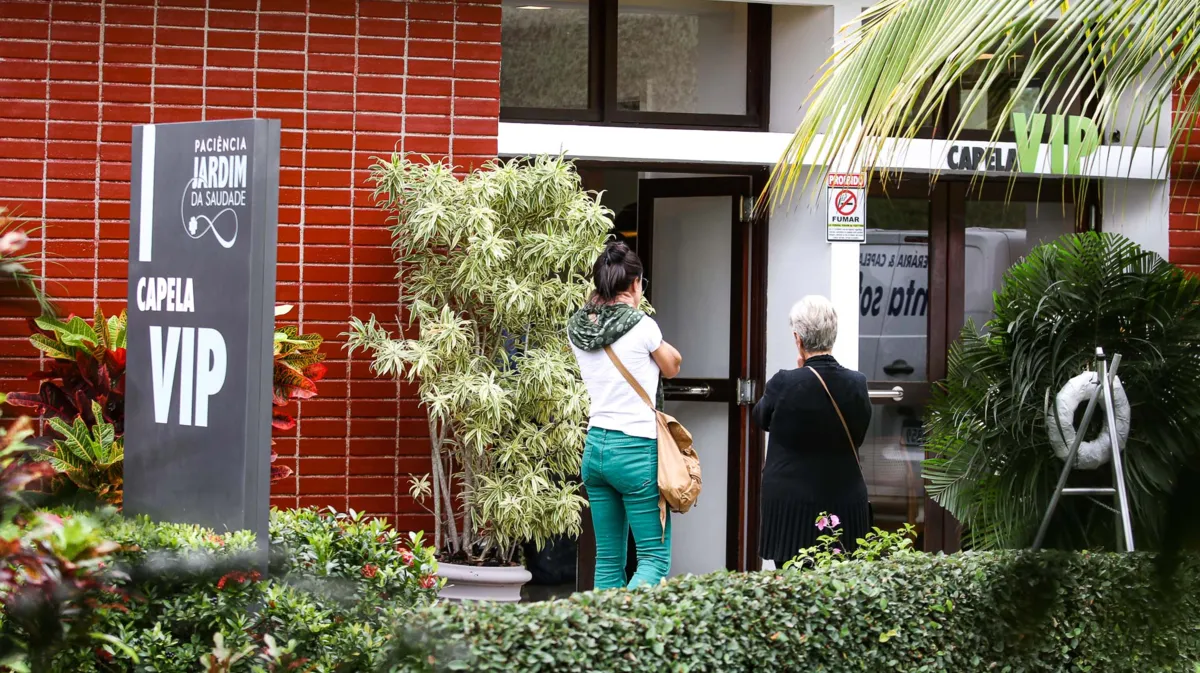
(1093,453)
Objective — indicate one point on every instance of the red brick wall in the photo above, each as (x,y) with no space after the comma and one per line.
(1185,199)
(349,80)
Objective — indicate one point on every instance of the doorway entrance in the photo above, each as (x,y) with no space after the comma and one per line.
(703,254)
(932,258)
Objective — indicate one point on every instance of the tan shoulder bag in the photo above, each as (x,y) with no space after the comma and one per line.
(678,465)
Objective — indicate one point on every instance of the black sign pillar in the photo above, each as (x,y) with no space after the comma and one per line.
(202,234)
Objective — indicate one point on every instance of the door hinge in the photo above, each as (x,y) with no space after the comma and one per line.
(745,392)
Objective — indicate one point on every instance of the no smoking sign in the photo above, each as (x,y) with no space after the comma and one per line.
(847,214)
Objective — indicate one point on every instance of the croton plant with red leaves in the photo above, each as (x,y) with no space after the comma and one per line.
(298,368)
(87,365)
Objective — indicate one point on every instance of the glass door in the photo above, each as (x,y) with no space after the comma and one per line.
(693,238)
(932,259)
(896,306)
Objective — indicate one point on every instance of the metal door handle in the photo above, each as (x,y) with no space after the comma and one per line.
(896,394)
(691,391)
(899,367)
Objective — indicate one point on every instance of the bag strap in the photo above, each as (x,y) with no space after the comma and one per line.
(841,418)
(629,377)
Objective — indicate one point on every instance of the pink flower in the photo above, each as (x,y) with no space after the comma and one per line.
(823,523)
(836,550)
(834,521)
(407,557)
(13,242)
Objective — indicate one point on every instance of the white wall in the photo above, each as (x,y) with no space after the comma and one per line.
(799,260)
(798,263)
(1139,210)
(801,41)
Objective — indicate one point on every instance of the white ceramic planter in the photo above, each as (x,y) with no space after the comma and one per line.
(473,583)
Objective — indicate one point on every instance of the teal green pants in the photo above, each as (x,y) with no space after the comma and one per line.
(620,473)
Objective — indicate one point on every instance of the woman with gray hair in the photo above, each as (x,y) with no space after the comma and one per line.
(817,415)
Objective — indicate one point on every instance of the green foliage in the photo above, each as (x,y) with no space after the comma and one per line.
(82,396)
(912,612)
(338,584)
(897,66)
(298,367)
(67,340)
(48,567)
(995,469)
(93,458)
(492,266)
(16,280)
(829,550)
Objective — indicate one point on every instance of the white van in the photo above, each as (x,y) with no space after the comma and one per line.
(893,326)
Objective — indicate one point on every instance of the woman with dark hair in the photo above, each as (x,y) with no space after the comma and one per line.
(620,458)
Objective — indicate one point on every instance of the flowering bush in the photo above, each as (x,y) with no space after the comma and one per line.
(829,550)
(186,598)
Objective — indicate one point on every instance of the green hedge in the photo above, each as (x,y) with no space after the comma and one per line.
(912,612)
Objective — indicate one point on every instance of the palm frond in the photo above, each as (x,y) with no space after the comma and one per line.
(894,73)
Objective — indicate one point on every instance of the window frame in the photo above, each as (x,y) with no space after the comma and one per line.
(603,108)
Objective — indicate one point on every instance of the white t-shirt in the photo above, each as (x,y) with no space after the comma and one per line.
(615,405)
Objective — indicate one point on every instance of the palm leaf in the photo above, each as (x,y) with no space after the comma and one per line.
(894,71)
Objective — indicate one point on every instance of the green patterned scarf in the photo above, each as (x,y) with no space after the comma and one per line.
(598,325)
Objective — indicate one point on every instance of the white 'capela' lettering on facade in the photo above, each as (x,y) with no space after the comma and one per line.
(166,294)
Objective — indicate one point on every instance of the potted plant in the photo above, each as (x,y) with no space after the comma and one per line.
(491,266)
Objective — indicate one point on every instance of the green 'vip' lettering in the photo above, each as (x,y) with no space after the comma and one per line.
(1078,136)
(1083,138)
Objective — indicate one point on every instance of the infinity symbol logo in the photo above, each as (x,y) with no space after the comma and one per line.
(196,226)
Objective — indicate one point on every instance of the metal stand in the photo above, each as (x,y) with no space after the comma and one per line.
(1125,534)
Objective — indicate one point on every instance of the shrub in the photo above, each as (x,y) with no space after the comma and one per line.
(338,583)
(492,266)
(298,367)
(1006,611)
(829,550)
(82,395)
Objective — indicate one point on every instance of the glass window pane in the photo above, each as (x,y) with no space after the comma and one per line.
(1000,234)
(682,56)
(893,329)
(544,63)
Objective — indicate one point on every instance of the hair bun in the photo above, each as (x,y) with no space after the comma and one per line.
(614,253)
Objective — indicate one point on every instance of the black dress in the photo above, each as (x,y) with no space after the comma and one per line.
(811,467)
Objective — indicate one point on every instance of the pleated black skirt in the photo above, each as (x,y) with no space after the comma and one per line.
(788,524)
